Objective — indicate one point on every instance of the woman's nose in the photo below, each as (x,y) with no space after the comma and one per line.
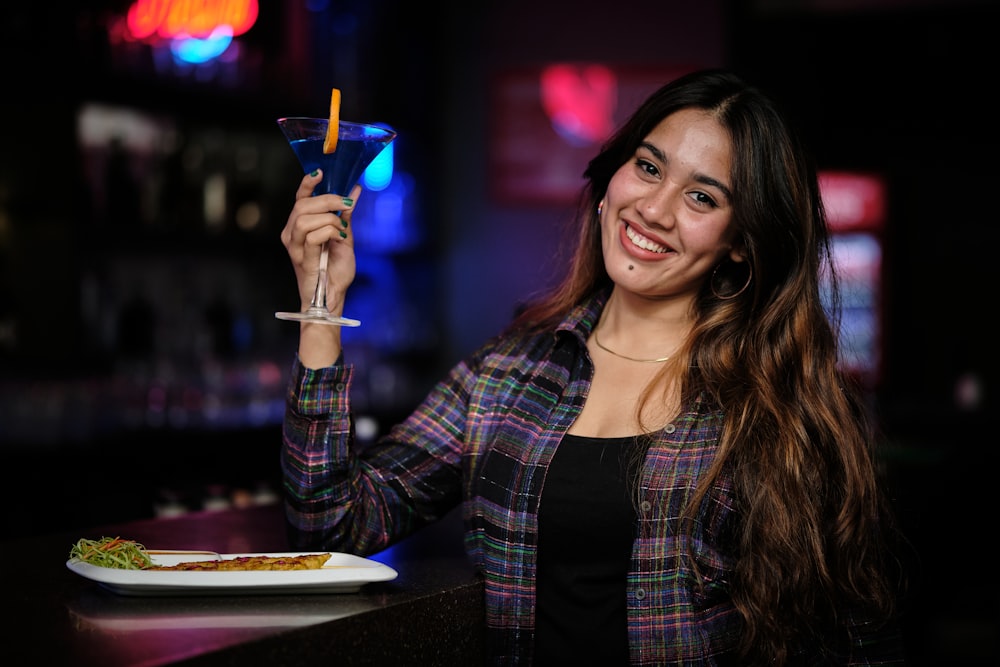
(657,206)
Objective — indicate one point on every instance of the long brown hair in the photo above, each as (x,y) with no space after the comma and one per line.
(796,438)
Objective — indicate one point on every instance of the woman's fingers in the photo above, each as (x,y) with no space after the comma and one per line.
(341,264)
(308,184)
(316,220)
(349,213)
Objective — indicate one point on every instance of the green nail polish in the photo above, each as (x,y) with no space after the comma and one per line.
(343,235)
(348,201)
(314,173)
(344,223)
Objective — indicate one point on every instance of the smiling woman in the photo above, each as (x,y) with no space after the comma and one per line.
(677,394)
(666,220)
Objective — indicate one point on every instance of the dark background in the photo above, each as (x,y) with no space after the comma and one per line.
(93,419)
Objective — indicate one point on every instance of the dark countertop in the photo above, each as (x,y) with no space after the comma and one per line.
(431,614)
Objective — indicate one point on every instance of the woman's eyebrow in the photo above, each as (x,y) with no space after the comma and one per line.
(708,180)
(701,178)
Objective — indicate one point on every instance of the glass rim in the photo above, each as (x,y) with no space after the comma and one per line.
(348,123)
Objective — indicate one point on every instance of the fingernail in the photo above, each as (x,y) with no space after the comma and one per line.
(343,235)
(314,173)
(344,223)
(348,201)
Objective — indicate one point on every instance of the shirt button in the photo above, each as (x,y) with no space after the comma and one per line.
(669,428)
(645,506)
(340,386)
(640,594)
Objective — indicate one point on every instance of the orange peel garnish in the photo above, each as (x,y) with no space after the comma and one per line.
(333,129)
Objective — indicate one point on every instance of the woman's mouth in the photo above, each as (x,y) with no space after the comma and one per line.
(644,242)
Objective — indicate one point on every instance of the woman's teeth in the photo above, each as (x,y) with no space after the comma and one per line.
(642,241)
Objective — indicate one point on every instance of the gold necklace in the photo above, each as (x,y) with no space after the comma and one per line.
(622,356)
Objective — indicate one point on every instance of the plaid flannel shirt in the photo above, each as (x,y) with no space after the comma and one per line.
(484,437)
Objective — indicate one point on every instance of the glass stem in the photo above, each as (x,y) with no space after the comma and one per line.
(319,296)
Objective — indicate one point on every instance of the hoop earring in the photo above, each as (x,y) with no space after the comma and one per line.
(715,292)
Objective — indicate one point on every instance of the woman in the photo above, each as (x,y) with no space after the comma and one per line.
(658,463)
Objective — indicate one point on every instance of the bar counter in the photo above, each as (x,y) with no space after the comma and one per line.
(431,614)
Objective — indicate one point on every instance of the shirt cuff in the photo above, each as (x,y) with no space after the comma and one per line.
(321,391)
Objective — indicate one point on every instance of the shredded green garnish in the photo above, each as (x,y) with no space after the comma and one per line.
(112,552)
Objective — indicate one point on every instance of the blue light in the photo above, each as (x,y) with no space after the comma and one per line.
(192,50)
(378,175)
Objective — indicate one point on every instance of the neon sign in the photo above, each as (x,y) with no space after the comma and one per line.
(580,102)
(180,19)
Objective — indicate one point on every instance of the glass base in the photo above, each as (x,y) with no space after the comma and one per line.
(320,316)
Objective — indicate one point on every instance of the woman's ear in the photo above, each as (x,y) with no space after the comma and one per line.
(738,253)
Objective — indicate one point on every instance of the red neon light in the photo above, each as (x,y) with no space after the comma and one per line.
(580,101)
(189,18)
(853,200)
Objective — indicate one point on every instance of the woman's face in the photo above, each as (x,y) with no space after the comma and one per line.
(666,221)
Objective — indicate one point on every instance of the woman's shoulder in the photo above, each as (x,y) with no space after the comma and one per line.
(515,346)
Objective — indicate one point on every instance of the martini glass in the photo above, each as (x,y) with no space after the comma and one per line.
(357,145)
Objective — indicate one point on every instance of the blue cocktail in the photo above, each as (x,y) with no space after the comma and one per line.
(357,145)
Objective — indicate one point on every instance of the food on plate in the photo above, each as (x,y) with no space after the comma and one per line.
(333,129)
(121,554)
(303,562)
(112,552)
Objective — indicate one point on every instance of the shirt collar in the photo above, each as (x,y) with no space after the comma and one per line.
(584,317)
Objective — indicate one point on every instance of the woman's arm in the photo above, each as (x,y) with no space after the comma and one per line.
(363,498)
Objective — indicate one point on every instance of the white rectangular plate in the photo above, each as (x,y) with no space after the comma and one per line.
(342,573)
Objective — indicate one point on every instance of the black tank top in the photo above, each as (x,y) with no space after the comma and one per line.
(586,525)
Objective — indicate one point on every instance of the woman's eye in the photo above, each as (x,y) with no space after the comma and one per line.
(647,167)
(703,199)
